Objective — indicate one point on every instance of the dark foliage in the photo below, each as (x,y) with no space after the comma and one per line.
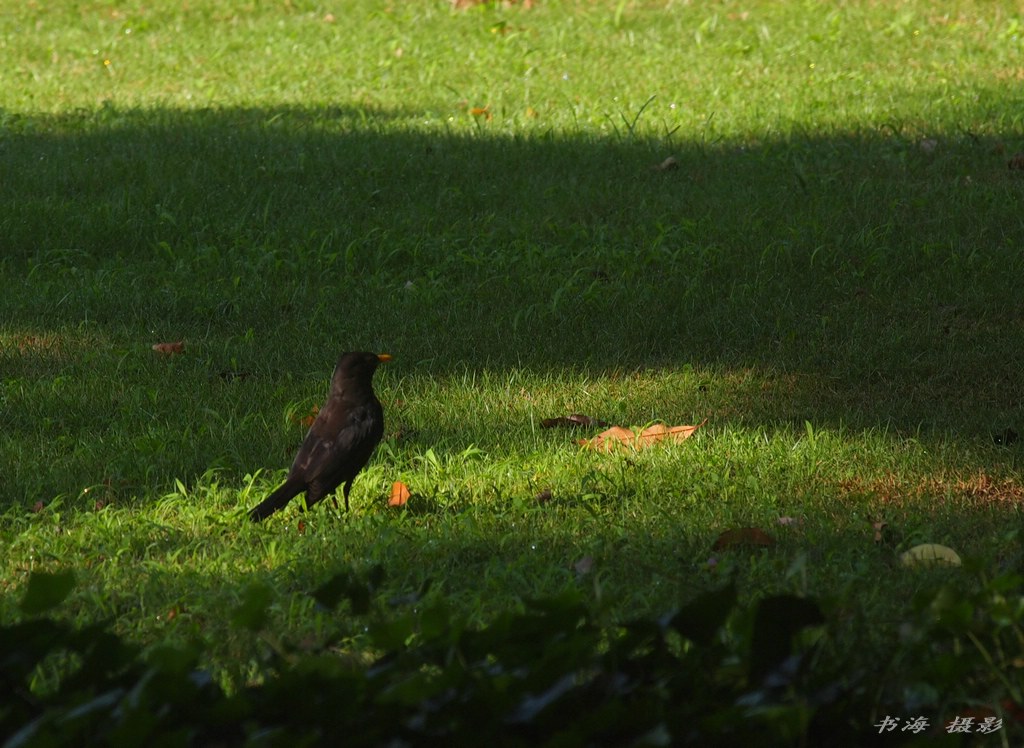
(710,674)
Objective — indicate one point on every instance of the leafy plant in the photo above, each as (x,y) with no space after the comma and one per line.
(707,674)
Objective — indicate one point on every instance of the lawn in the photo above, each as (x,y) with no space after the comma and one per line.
(799,221)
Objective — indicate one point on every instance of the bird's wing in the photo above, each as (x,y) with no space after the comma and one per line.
(340,433)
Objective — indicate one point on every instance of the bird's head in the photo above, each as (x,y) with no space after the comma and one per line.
(358,366)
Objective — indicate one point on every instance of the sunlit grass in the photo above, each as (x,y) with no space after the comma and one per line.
(829,276)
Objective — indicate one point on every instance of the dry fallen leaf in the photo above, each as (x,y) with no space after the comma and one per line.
(307,420)
(543,497)
(573,420)
(607,439)
(481,111)
(463,4)
(38,507)
(399,494)
(169,349)
(619,436)
(743,537)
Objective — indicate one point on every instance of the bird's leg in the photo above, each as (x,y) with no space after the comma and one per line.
(348,487)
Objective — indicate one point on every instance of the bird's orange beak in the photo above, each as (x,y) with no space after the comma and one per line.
(384,357)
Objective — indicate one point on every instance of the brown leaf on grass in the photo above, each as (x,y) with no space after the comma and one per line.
(617,436)
(481,111)
(1016,162)
(169,349)
(301,527)
(463,4)
(543,497)
(399,494)
(38,507)
(573,421)
(306,420)
(743,537)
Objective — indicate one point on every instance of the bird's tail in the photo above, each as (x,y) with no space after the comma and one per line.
(285,493)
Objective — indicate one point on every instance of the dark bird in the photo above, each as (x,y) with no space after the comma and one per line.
(341,439)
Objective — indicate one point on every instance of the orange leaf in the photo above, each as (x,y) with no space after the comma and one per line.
(399,494)
(659,431)
(743,537)
(307,420)
(617,435)
(169,349)
(481,111)
(606,440)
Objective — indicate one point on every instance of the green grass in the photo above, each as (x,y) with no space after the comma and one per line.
(831,276)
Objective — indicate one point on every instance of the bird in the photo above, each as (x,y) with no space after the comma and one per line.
(346,431)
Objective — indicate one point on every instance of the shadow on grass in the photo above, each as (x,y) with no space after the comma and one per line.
(869,278)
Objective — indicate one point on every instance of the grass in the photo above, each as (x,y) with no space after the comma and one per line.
(830,276)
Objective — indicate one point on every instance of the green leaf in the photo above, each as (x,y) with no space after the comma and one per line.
(251,613)
(776,621)
(46,591)
(344,586)
(701,618)
(347,585)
